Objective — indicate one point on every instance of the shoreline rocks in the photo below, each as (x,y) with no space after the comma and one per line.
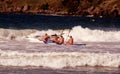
(83,8)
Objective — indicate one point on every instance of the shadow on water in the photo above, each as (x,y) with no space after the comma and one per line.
(44,22)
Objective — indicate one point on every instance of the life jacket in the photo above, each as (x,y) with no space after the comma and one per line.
(61,40)
(70,41)
(54,38)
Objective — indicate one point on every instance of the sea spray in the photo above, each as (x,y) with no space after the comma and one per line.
(85,34)
(79,34)
(59,59)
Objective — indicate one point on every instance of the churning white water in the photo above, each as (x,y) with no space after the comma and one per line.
(85,34)
(14,53)
(102,48)
(79,34)
(59,59)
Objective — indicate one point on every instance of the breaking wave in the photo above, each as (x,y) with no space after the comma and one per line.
(79,34)
(59,59)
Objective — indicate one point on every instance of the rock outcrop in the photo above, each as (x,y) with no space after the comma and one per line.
(63,7)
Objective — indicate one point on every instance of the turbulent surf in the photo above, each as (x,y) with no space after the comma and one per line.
(20,44)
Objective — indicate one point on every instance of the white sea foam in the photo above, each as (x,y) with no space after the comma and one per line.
(79,34)
(59,59)
(85,34)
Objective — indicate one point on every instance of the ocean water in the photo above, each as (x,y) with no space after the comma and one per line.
(96,48)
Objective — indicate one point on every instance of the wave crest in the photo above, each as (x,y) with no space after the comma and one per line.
(79,34)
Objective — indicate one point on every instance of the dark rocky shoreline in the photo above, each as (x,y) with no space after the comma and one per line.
(62,7)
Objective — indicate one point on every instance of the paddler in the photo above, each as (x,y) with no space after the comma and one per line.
(54,38)
(45,38)
(70,41)
(60,40)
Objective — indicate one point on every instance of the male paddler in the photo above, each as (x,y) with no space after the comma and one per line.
(54,38)
(70,41)
(60,40)
(45,38)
